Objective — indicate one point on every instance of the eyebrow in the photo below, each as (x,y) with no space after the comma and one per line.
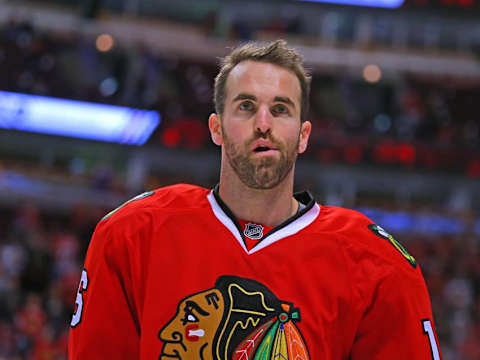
(282,99)
(285,100)
(244,96)
(193,305)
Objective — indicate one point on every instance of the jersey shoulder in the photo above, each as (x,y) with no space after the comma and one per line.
(170,198)
(133,223)
(364,237)
(341,219)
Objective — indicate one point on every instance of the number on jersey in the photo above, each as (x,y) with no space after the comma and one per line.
(428,329)
(82,287)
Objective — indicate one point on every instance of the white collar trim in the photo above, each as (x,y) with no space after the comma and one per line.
(290,229)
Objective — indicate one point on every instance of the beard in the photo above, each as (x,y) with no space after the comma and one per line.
(263,173)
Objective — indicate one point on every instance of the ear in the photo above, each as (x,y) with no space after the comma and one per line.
(215,126)
(305,130)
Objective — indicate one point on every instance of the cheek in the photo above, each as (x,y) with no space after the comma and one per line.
(290,135)
(237,133)
(194,333)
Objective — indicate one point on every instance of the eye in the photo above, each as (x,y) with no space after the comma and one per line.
(189,316)
(246,106)
(280,109)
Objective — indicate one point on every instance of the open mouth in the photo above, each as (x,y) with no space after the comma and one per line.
(261,149)
(263,146)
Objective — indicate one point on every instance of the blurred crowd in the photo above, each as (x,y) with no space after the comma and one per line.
(41,257)
(412,121)
(40,260)
(451,266)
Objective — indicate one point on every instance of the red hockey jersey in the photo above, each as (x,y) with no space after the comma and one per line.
(168,275)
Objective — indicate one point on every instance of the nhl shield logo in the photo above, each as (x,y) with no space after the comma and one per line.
(253,231)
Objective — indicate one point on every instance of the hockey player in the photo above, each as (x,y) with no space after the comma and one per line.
(249,270)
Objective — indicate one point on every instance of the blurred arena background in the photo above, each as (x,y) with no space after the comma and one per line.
(396,134)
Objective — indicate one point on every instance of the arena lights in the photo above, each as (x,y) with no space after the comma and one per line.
(392,4)
(372,73)
(77,119)
(353,153)
(171,137)
(104,42)
(389,152)
(382,123)
(405,222)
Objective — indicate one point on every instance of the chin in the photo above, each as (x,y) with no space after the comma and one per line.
(169,357)
(171,354)
(265,185)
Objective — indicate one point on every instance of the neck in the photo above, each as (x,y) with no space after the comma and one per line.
(269,207)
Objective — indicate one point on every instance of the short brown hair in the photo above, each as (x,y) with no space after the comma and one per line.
(276,53)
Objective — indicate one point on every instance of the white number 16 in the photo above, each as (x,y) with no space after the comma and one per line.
(77,315)
(428,329)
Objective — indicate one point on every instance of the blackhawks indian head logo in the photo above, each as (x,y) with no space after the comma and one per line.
(237,319)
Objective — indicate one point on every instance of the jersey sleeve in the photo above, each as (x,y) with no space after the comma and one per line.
(105,322)
(398,322)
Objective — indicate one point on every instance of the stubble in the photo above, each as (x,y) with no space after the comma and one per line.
(261,173)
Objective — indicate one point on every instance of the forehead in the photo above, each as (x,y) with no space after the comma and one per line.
(205,299)
(264,80)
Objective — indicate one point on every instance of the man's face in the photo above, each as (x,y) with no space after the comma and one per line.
(190,333)
(261,129)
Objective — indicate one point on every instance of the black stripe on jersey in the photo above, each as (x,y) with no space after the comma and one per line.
(227,211)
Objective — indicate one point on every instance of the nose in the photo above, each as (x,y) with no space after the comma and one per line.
(263,120)
(170,334)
